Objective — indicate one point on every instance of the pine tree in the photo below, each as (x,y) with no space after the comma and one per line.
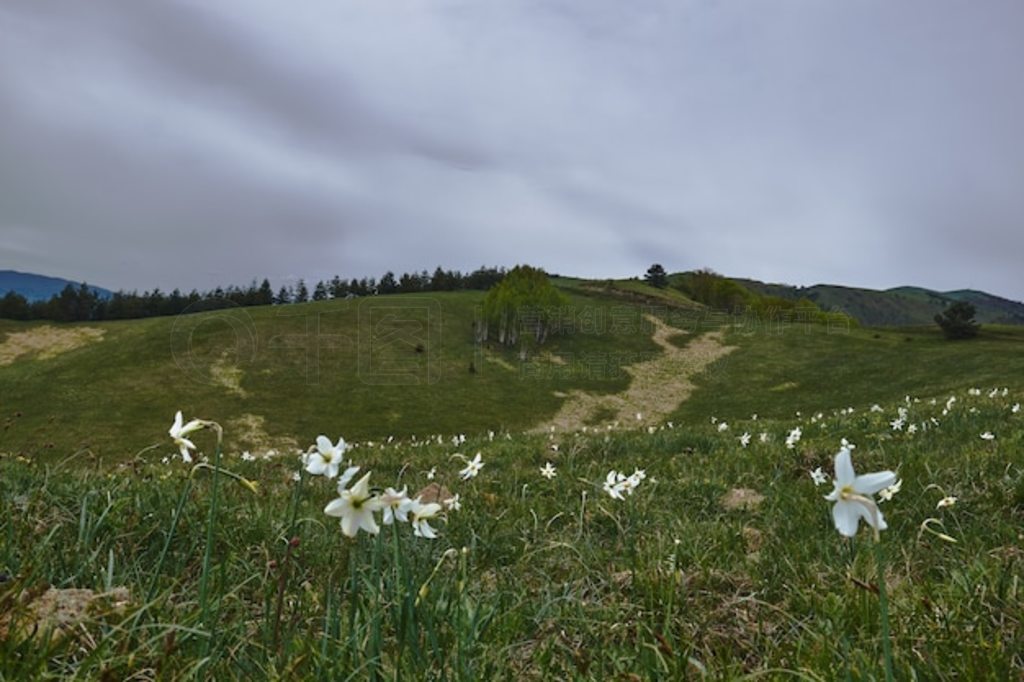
(320,291)
(656,276)
(301,292)
(387,284)
(265,295)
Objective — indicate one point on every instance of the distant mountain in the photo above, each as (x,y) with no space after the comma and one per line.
(38,287)
(895,307)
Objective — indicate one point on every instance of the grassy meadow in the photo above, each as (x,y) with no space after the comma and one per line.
(119,561)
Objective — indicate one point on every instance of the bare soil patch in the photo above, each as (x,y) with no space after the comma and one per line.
(656,386)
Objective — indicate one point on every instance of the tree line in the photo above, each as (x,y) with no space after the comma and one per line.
(82,303)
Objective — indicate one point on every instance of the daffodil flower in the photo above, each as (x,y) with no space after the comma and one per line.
(356,506)
(472,468)
(421,516)
(612,486)
(886,494)
(178,433)
(853,496)
(326,459)
(396,505)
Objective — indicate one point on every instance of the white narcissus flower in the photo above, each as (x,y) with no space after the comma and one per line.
(472,468)
(847,444)
(1016,408)
(988,435)
(745,439)
(396,505)
(178,433)
(886,494)
(853,496)
(946,502)
(794,437)
(723,427)
(431,473)
(420,515)
(819,477)
(612,485)
(356,506)
(548,471)
(326,459)
(453,503)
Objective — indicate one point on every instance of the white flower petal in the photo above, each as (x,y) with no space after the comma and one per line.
(335,507)
(845,474)
(846,516)
(869,484)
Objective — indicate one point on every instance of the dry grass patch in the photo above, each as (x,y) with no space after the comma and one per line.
(46,342)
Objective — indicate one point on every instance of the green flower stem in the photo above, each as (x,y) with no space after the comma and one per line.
(883,603)
(207,555)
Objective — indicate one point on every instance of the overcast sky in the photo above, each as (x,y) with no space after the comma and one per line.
(190,144)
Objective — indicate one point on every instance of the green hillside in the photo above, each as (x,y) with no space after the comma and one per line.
(403,366)
(901,306)
(280,373)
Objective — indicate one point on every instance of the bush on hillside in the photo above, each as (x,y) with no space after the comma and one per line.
(957,321)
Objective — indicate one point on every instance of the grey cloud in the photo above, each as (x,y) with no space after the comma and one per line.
(870,143)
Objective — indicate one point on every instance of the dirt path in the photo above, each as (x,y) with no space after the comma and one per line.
(46,342)
(656,387)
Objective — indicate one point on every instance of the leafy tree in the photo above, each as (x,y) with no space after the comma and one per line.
(524,302)
(656,276)
(957,321)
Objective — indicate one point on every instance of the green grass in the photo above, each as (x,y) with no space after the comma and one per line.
(810,368)
(531,579)
(549,579)
(304,369)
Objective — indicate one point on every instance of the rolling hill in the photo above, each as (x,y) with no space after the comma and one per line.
(408,365)
(900,306)
(38,287)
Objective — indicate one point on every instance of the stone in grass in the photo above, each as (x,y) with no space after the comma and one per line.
(743,499)
(433,492)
